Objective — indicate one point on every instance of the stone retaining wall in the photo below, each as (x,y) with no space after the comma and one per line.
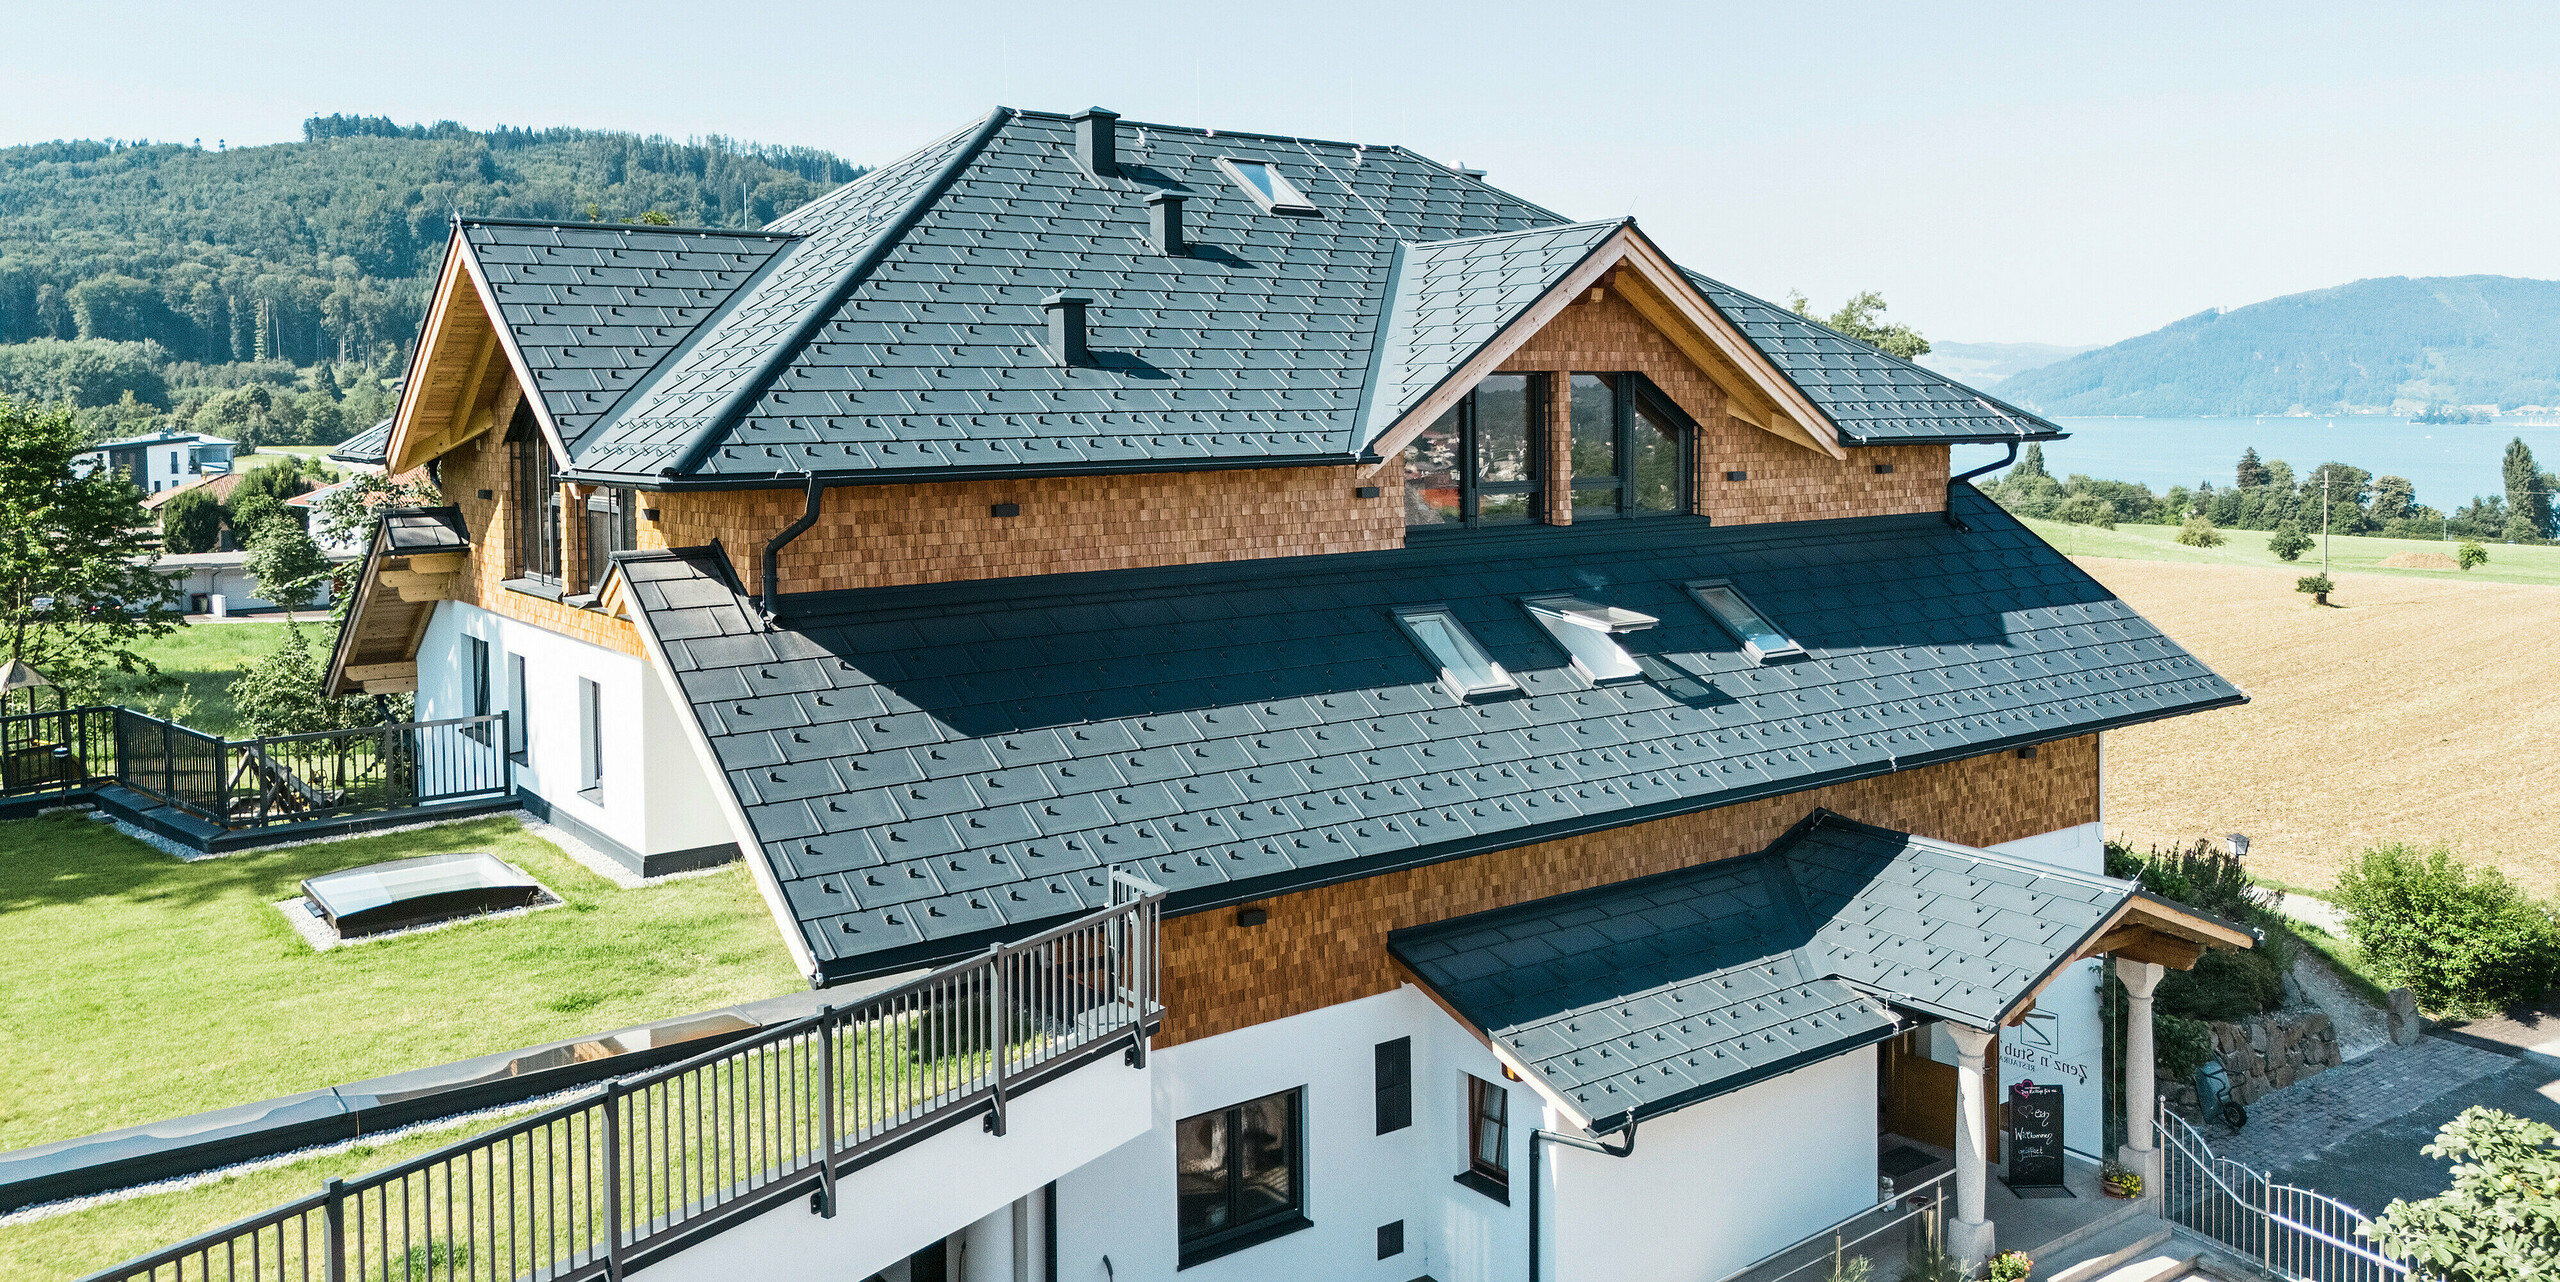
(2267,1053)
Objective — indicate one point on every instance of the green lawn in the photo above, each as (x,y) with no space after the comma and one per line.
(204,656)
(143,988)
(2508,563)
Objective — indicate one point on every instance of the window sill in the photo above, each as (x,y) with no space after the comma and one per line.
(592,796)
(1204,1252)
(1498,1190)
(532,587)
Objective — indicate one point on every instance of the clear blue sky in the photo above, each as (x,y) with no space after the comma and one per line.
(2059,173)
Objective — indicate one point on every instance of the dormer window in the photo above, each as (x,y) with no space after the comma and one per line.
(1586,632)
(1269,188)
(1465,669)
(1479,463)
(1761,640)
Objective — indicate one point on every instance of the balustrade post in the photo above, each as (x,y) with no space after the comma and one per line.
(613,1180)
(996,1032)
(827,1111)
(336,1244)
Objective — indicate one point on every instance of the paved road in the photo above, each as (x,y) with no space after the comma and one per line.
(2370,1166)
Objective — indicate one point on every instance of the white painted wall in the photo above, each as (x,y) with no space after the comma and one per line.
(1355,1179)
(896,1207)
(655,797)
(2065,1049)
(1717,1185)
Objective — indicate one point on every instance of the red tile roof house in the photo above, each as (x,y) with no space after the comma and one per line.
(1426,738)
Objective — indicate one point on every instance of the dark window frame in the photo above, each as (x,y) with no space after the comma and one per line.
(1750,649)
(1237,1234)
(591,740)
(1490,1176)
(539,552)
(613,525)
(519,700)
(1538,395)
(475,652)
(1394,1084)
(1630,389)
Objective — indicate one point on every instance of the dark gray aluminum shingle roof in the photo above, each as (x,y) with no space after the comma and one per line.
(1638,998)
(928,768)
(1874,399)
(371,445)
(893,329)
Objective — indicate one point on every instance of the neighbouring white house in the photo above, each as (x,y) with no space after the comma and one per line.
(1611,795)
(220,583)
(163,460)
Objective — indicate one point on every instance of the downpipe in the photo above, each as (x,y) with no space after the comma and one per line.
(1953,481)
(1575,1141)
(772,601)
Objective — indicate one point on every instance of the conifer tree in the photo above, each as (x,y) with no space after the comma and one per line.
(2528,494)
(2251,471)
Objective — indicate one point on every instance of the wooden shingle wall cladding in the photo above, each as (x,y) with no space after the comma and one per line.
(486,462)
(880,535)
(1787,482)
(1326,946)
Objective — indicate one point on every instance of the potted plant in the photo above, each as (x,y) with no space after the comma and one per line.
(2120,1181)
(2011,1266)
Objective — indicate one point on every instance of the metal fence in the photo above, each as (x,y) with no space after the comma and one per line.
(2291,1232)
(296,777)
(179,766)
(61,751)
(646,1166)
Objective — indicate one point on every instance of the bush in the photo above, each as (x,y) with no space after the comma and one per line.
(191,522)
(2499,1219)
(2470,555)
(2198,532)
(2288,542)
(2465,940)
(2087,509)
(2319,586)
(2225,986)
(2179,1046)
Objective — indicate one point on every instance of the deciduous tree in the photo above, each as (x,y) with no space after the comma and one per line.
(2499,1221)
(2288,542)
(78,593)
(1861,318)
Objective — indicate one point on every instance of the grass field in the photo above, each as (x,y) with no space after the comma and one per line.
(2508,562)
(2419,708)
(204,657)
(143,988)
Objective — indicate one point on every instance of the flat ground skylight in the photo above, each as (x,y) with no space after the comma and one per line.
(414,892)
(1465,668)
(1269,188)
(1760,638)
(1584,629)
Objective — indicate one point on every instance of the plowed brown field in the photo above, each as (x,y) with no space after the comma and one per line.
(2418,710)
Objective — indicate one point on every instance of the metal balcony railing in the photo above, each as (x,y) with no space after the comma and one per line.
(644,1167)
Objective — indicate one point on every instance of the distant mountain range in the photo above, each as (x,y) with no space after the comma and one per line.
(2392,343)
(1984,364)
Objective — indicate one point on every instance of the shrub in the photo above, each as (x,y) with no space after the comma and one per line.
(2288,542)
(2465,940)
(2179,1046)
(191,522)
(2010,1266)
(2087,509)
(2225,986)
(2500,1218)
(2319,586)
(2470,555)
(2198,532)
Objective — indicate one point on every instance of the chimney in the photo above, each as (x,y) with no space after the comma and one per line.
(1095,136)
(1164,222)
(1066,328)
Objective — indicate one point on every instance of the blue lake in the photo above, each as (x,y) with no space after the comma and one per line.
(2447,462)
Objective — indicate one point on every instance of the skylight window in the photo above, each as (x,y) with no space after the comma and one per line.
(1465,668)
(1269,188)
(1584,629)
(1761,639)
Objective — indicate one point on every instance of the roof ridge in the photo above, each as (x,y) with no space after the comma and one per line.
(1543,229)
(779,356)
(491,220)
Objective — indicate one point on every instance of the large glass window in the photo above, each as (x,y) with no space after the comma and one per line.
(537,501)
(1488,1129)
(1480,463)
(1236,1176)
(612,526)
(1630,448)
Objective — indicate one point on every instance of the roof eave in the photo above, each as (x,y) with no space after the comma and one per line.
(912,476)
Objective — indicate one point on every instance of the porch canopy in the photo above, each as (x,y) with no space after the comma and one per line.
(1636,999)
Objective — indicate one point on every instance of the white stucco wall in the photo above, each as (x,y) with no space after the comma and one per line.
(1354,1179)
(1717,1185)
(2066,1048)
(896,1207)
(655,797)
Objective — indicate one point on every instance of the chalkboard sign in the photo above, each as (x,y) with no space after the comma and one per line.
(2035,1139)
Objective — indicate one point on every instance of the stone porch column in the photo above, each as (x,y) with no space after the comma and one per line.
(1969,1238)
(2140,1152)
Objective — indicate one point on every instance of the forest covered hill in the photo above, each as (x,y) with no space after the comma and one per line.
(2392,343)
(172,273)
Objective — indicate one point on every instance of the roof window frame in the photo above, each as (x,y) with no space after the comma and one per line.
(1698,589)
(1588,633)
(1272,202)
(1408,617)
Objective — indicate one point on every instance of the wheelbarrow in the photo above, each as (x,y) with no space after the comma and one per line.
(2213,1095)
